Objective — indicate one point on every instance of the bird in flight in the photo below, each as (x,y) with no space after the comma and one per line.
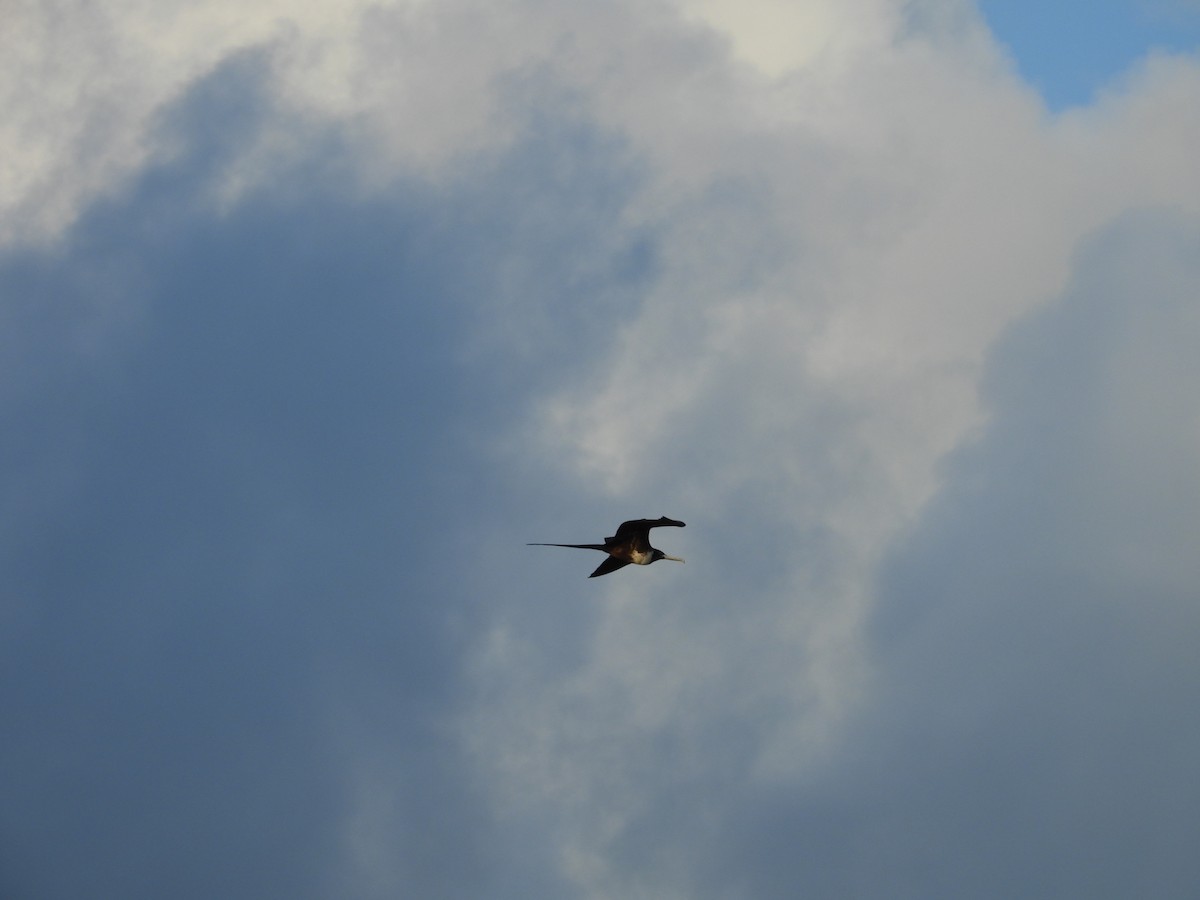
(631,544)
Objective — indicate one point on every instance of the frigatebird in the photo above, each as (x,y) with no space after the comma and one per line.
(631,544)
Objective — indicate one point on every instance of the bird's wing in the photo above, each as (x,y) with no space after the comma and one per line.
(642,527)
(609,565)
(663,520)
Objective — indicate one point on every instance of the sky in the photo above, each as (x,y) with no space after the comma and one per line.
(1069,52)
(313,315)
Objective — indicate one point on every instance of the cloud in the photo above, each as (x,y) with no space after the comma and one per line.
(184,602)
(328,314)
(776,37)
(238,437)
(809,352)
(79,105)
(1033,632)
(1020,721)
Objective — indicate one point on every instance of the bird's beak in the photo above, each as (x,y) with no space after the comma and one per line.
(676,558)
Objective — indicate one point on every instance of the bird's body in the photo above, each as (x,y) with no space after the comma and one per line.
(631,544)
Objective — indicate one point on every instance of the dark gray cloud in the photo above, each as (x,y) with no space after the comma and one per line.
(244,455)
(1036,632)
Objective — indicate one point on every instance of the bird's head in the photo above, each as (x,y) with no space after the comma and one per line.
(658,554)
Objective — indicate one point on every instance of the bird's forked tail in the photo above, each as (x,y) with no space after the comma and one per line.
(576,546)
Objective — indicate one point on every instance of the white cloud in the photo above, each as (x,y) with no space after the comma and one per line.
(83,86)
(812,348)
(775,36)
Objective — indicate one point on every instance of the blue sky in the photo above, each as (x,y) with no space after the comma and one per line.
(311,318)
(1068,51)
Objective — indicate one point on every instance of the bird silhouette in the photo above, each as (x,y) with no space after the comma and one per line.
(631,544)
